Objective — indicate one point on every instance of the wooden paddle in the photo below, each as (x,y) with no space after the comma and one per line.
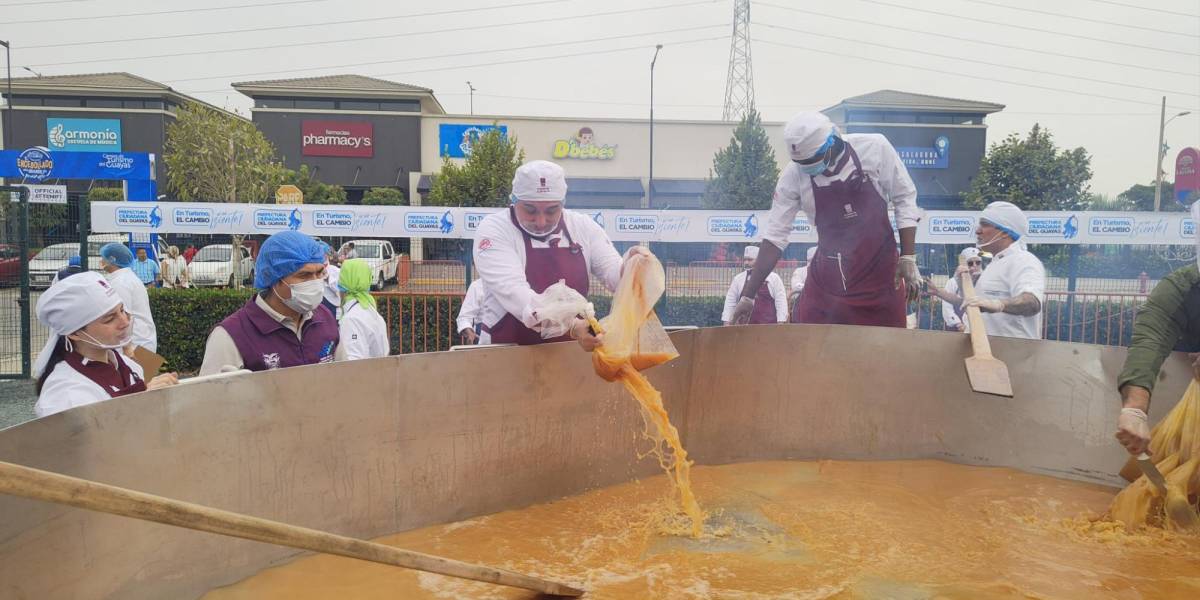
(81,493)
(988,374)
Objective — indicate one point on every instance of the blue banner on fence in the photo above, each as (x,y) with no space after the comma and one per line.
(39,164)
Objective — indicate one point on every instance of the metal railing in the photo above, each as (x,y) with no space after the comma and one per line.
(419,322)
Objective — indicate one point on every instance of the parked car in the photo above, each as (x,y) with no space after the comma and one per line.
(378,254)
(211,266)
(10,264)
(53,258)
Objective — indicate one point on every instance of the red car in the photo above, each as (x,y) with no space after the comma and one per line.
(10,264)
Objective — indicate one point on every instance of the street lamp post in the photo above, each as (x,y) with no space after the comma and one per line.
(1162,151)
(472,92)
(8,109)
(650,183)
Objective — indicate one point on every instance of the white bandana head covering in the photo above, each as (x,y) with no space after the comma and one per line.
(539,180)
(69,305)
(751,252)
(806,133)
(1006,217)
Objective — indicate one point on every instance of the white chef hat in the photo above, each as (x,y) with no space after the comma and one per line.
(751,252)
(1006,217)
(69,305)
(807,133)
(969,252)
(539,180)
(810,253)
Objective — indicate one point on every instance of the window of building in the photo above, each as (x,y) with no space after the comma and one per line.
(155,104)
(865,116)
(358,105)
(316,104)
(400,105)
(268,102)
(62,101)
(26,101)
(935,118)
(970,119)
(105,103)
(899,117)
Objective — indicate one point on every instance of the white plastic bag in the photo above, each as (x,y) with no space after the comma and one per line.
(558,307)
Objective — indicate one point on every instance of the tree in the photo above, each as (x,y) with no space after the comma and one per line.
(315,191)
(105,194)
(1141,197)
(745,170)
(217,157)
(485,179)
(1033,174)
(383,196)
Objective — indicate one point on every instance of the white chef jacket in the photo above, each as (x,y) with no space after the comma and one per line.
(879,160)
(472,306)
(67,388)
(499,251)
(363,332)
(799,276)
(132,293)
(1012,273)
(774,285)
(331,292)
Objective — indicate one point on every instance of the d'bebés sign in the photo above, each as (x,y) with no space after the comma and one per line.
(354,139)
(584,146)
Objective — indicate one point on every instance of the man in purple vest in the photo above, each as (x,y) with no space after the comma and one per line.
(284,325)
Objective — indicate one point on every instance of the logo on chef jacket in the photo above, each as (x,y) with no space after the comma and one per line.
(850,212)
(274,218)
(428,222)
(1111,226)
(951,225)
(637,223)
(801,225)
(271,360)
(333,219)
(1066,228)
(736,226)
(140,217)
(326,355)
(472,220)
(192,217)
(484,244)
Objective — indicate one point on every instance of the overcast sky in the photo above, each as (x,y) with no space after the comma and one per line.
(1092,71)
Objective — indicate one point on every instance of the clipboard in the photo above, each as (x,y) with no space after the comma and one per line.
(149,361)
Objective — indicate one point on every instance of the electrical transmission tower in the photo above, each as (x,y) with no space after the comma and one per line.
(739,84)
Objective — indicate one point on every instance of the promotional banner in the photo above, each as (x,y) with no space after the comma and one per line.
(44,194)
(455,139)
(34,165)
(1187,177)
(937,227)
(83,135)
(337,138)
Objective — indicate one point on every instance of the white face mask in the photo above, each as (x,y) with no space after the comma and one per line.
(306,296)
(117,346)
(982,245)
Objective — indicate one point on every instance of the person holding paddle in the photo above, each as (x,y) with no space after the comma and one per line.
(1010,293)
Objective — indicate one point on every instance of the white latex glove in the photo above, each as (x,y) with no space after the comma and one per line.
(639,249)
(1133,431)
(986,305)
(908,275)
(743,310)
(581,332)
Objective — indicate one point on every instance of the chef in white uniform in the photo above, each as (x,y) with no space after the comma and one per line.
(115,259)
(951,296)
(1012,291)
(471,311)
(88,355)
(800,275)
(770,304)
(361,329)
(535,243)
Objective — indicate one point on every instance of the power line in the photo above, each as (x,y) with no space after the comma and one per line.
(452,55)
(301,26)
(976,41)
(162,12)
(1160,10)
(1027,28)
(509,62)
(970,76)
(1077,18)
(981,62)
(374,37)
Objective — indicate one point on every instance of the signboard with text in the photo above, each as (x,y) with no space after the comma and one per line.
(1187,176)
(353,139)
(38,164)
(934,157)
(83,135)
(289,194)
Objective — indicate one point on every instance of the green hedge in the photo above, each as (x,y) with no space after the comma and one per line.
(420,323)
(185,317)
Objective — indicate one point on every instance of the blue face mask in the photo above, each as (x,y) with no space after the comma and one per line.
(814,169)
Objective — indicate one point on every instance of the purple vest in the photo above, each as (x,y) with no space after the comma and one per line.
(265,343)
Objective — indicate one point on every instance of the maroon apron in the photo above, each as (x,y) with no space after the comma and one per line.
(543,268)
(117,382)
(851,280)
(764,306)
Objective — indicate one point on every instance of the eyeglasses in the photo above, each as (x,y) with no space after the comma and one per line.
(974,263)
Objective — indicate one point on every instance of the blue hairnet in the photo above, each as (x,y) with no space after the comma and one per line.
(116,253)
(283,254)
(74,261)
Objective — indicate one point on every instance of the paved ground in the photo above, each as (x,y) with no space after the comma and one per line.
(16,402)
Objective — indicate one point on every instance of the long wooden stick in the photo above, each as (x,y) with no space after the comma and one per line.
(986,373)
(23,481)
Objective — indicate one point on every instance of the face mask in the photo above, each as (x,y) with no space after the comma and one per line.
(814,169)
(95,342)
(983,245)
(305,296)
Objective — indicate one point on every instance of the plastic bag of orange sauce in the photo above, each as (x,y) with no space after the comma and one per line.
(632,332)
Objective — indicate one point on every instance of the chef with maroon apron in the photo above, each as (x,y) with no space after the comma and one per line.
(770,304)
(87,357)
(532,245)
(844,184)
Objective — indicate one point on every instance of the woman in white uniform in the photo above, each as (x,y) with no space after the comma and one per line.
(534,244)
(468,313)
(362,332)
(87,357)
